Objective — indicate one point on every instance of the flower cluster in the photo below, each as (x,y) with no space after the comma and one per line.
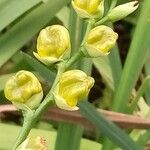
(53,47)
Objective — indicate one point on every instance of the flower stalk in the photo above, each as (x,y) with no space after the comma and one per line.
(30,119)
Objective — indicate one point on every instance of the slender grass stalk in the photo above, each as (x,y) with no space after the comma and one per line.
(68,136)
(140,92)
(113,4)
(105,19)
(135,60)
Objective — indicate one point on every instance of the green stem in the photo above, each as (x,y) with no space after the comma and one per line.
(113,4)
(140,92)
(27,125)
(103,20)
(89,27)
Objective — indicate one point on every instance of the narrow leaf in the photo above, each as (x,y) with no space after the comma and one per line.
(69,136)
(27,27)
(114,133)
(136,57)
(12,9)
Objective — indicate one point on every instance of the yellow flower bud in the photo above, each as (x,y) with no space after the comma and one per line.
(99,41)
(73,86)
(33,143)
(24,89)
(53,44)
(122,11)
(89,8)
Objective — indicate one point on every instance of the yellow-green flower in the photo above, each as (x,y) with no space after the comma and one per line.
(24,89)
(122,11)
(73,86)
(89,8)
(53,44)
(99,41)
(33,143)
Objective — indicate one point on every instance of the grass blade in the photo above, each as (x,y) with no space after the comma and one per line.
(10,10)
(69,136)
(103,66)
(135,59)
(27,27)
(109,129)
(37,66)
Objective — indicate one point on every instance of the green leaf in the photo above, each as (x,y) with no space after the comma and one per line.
(11,10)
(3,79)
(115,64)
(144,138)
(64,12)
(136,57)
(103,66)
(114,133)
(37,66)
(69,136)
(147,72)
(27,27)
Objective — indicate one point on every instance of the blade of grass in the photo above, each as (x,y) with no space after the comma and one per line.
(10,10)
(69,136)
(147,72)
(37,66)
(109,129)
(135,59)
(27,27)
(3,79)
(116,66)
(103,66)
(144,138)
(64,12)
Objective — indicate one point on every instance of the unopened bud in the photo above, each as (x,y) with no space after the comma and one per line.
(89,8)
(53,44)
(122,11)
(24,89)
(99,41)
(73,86)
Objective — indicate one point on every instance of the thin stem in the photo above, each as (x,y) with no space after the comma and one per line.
(73,59)
(48,99)
(140,92)
(27,125)
(89,27)
(113,4)
(103,20)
